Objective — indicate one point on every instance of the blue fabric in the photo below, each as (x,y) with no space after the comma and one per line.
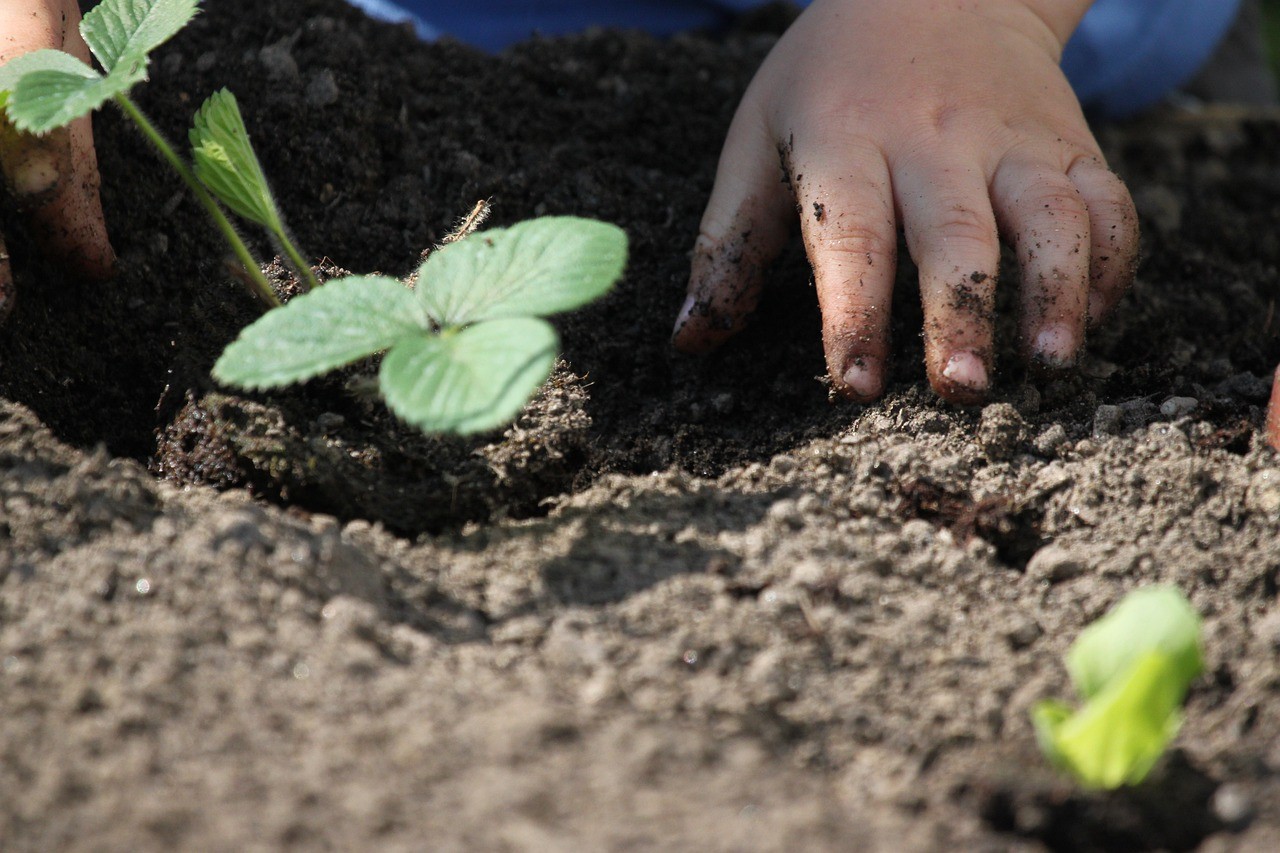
(1126,55)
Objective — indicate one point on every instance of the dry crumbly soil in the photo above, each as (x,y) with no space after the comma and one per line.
(681,604)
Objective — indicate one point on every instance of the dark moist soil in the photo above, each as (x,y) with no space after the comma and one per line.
(680,604)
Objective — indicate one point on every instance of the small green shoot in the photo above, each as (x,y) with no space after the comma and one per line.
(1132,668)
(466,348)
(226,163)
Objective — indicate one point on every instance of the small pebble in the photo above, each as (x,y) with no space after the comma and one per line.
(1001,431)
(784,464)
(1051,439)
(1107,419)
(1178,407)
(1021,631)
(786,512)
(1233,806)
(1054,563)
(328,421)
(278,60)
(809,574)
(322,90)
(1263,496)
(809,504)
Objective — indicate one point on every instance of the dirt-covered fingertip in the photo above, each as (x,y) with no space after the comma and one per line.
(861,380)
(701,327)
(726,277)
(964,379)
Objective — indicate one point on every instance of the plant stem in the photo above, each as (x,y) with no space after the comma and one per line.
(310,282)
(258,282)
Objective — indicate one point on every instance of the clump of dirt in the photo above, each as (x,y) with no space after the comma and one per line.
(680,602)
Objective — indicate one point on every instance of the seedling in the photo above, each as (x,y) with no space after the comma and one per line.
(1132,668)
(226,163)
(465,350)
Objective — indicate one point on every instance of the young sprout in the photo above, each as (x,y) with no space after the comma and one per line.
(226,164)
(466,348)
(1132,668)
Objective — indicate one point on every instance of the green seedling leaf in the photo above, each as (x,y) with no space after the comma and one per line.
(532,269)
(41,60)
(1120,734)
(226,163)
(468,380)
(1153,619)
(1133,668)
(342,322)
(48,89)
(42,101)
(122,32)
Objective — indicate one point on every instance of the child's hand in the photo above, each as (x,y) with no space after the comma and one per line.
(54,178)
(952,119)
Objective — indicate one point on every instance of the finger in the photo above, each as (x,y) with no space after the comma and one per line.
(1044,216)
(1113,234)
(743,229)
(951,233)
(71,225)
(6,282)
(55,177)
(850,236)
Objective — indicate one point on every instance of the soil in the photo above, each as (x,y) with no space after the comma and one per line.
(681,603)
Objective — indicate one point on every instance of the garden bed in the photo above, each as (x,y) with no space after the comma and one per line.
(681,603)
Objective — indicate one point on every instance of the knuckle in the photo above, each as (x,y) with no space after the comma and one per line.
(858,242)
(1054,198)
(961,226)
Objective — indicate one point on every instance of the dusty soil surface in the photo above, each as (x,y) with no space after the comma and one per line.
(681,604)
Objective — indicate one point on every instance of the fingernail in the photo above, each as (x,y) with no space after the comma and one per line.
(1055,345)
(967,370)
(862,377)
(685,310)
